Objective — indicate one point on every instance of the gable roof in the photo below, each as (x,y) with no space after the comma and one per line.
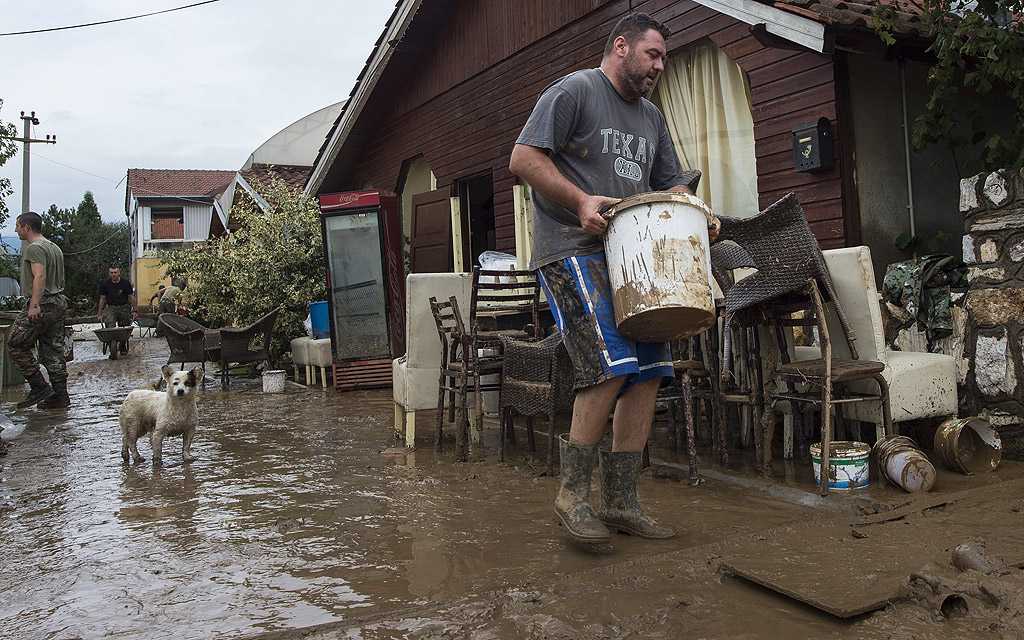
(206,183)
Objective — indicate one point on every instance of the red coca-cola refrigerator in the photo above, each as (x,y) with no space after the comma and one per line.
(362,234)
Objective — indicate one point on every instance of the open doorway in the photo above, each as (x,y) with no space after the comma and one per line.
(477,198)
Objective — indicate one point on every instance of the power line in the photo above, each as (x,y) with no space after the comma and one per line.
(93,24)
(137,189)
(93,247)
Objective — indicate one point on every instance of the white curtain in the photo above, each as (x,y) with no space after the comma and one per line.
(706,101)
(197,222)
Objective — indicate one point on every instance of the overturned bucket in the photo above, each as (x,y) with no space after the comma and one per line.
(970,445)
(902,463)
(847,464)
(659,265)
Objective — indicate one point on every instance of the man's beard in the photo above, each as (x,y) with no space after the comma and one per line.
(632,77)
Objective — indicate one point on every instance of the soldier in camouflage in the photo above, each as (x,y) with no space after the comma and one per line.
(41,325)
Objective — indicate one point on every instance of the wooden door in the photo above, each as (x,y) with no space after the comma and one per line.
(430,247)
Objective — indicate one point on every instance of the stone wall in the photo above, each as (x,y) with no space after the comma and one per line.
(992,329)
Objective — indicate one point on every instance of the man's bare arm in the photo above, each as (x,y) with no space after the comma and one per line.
(535,167)
(38,286)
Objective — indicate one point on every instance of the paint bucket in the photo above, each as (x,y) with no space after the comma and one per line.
(273,381)
(847,464)
(656,247)
(902,463)
(969,445)
(318,318)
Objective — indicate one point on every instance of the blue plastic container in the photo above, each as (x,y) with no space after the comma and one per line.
(321,323)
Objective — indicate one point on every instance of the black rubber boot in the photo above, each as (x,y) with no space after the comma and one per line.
(39,390)
(59,399)
(620,509)
(572,506)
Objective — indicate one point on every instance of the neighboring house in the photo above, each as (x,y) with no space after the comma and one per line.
(447,89)
(170,208)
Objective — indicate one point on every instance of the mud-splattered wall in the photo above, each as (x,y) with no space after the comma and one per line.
(990,366)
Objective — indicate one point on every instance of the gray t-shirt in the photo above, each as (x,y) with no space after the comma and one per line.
(603,144)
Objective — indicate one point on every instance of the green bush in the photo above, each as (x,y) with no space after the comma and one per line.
(274,259)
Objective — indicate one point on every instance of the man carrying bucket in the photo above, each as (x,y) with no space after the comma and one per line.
(591,140)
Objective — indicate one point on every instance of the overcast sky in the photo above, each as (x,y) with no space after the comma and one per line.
(199,88)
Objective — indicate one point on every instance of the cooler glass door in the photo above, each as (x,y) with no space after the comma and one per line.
(357,285)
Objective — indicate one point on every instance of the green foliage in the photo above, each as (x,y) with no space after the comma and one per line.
(90,247)
(8,148)
(979,55)
(916,242)
(273,259)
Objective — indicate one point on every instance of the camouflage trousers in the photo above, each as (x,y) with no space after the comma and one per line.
(117,315)
(46,334)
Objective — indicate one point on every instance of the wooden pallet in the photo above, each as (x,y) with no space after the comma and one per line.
(362,374)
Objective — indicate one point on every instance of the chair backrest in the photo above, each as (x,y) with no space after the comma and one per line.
(505,291)
(450,329)
(421,340)
(854,279)
(786,253)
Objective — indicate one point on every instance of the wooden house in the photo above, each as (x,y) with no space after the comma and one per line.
(435,113)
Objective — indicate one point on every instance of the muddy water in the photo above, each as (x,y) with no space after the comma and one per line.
(295,515)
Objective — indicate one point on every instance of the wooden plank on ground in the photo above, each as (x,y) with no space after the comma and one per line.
(867,558)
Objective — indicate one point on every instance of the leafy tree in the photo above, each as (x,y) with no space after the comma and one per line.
(274,259)
(7,150)
(979,55)
(90,247)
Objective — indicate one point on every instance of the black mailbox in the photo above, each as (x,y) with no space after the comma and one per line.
(812,145)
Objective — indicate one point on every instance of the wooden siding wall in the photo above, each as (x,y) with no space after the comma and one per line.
(465,106)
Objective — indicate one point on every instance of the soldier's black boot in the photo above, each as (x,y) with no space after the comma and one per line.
(59,399)
(39,390)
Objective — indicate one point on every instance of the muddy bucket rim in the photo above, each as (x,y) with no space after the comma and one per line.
(657,197)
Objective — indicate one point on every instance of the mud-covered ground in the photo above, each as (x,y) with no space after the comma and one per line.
(298,519)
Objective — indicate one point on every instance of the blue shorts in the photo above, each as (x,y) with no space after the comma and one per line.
(578,291)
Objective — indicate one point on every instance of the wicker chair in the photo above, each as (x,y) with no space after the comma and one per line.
(536,380)
(188,340)
(790,269)
(237,344)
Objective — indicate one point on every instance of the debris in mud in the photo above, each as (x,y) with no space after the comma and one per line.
(972,555)
(394,451)
(856,533)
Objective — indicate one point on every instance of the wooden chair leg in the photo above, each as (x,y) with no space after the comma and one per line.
(840,429)
(503,419)
(691,445)
(462,423)
(551,444)
(440,413)
(529,433)
(672,419)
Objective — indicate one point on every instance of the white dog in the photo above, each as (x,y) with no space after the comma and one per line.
(161,414)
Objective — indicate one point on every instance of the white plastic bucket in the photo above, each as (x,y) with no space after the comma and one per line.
(847,464)
(273,381)
(656,246)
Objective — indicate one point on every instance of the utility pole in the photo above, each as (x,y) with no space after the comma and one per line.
(29,120)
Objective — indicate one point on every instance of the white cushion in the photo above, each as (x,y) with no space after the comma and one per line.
(921,385)
(300,350)
(415,374)
(320,352)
